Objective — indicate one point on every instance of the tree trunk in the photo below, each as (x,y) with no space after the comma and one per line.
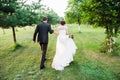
(110,44)
(116,31)
(107,30)
(111,40)
(14,35)
(3,31)
(78,24)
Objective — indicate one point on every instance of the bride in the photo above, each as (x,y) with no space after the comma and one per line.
(65,48)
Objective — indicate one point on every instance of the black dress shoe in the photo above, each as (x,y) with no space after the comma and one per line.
(42,67)
(45,59)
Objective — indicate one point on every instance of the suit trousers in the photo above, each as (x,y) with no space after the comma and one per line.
(43,49)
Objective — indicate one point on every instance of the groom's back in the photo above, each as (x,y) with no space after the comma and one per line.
(43,30)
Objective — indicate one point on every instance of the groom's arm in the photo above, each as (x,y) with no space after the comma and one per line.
(56,32)
(35,33)
(50,30)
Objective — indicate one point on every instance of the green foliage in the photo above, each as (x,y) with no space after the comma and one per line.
(8,6)
(101,12)
(7,10)
(116,48)
(15,13)
(104,13)
(73,13)
(52,16)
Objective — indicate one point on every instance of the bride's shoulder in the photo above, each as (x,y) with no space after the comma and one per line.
(65,26)
(62,27)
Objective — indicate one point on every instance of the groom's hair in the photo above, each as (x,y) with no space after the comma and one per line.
(45,18)
(62,22)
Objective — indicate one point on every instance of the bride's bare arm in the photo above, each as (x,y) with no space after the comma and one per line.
(56,32)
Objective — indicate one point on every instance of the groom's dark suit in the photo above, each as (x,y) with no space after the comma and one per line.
(42,31)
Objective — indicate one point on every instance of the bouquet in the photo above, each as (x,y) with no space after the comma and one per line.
(71,36)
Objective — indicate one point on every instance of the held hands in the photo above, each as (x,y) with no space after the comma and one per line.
(56,32)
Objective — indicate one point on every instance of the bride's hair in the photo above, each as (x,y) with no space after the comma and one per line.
(62,22)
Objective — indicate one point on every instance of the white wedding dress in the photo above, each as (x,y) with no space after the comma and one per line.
(65,50)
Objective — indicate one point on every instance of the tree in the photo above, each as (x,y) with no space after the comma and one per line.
(7,9)
(104,13)
(53,18)
(73,13)
(107,14)
(16,13)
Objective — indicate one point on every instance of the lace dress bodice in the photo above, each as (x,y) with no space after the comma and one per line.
(62,30)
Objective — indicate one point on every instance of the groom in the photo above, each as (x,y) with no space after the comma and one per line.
(42,31)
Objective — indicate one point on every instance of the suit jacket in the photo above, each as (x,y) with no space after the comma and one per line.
(42,31)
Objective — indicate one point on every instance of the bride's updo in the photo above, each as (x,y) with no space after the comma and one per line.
(62,22)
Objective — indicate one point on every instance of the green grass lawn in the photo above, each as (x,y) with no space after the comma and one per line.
(21,62)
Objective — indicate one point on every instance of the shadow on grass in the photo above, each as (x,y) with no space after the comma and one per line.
(118,76)
(15,47)
(79,31)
